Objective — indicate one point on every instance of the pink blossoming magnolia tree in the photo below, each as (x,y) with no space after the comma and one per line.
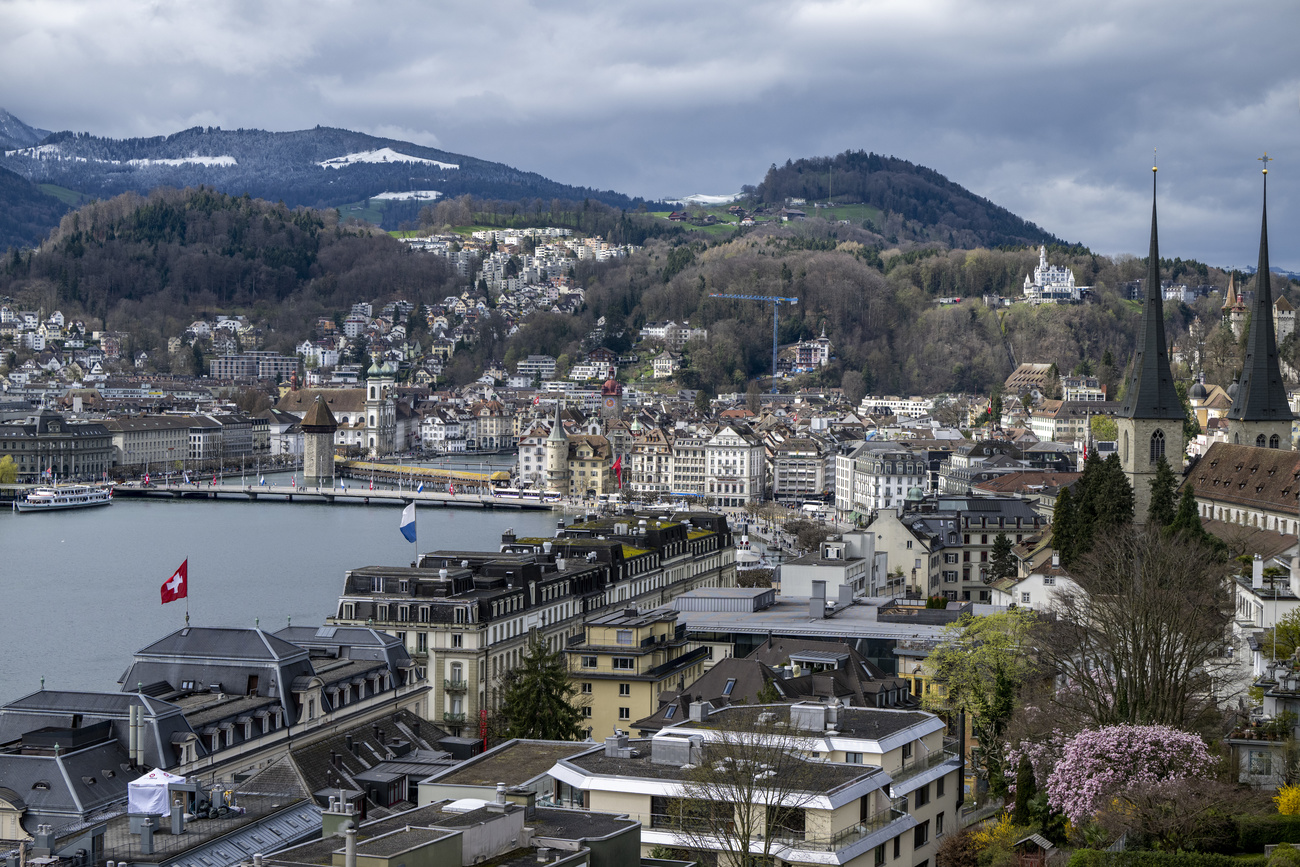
(1100,765)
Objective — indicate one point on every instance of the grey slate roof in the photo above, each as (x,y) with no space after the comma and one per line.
(67,788)
(222,643)
(1150,393)
(1261,394)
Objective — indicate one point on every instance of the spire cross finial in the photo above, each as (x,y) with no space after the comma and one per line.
(1265,159)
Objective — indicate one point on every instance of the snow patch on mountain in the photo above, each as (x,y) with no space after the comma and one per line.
(703,199)
(382,155)
(194,160)
(426,195)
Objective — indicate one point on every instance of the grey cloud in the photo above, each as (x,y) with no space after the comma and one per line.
(1048,109)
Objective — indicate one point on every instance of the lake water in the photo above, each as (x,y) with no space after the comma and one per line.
(80,589)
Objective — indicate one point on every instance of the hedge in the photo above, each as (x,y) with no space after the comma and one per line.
(1095,858)
(1254,832)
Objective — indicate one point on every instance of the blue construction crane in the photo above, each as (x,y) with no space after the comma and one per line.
(776,301)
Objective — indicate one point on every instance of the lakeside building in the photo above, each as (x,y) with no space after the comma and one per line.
(217,702)
(47,445)
(467,617)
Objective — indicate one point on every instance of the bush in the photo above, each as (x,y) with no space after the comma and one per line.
(1288,800)
(1094,858)
(957,850)
(1254,832)
(1285,855)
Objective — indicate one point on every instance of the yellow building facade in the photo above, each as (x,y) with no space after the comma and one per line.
(626,659)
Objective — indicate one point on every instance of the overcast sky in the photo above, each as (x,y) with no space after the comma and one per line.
(1050,109)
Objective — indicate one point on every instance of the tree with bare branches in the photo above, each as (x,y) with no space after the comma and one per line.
(748,789)
(1141,640)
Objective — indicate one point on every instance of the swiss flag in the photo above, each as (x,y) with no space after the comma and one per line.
(177,586)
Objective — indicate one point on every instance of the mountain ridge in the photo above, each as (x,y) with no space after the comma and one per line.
(278,166)
(16,134)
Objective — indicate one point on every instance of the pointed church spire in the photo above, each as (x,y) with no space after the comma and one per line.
(1150,393)
(1262,393)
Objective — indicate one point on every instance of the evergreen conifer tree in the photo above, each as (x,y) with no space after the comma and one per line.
(1064,520)
(1113,502)
(1164,493)
(537,701)
(1003,562)
(1026,789)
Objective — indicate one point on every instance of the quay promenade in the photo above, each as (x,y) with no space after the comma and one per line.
(361,493)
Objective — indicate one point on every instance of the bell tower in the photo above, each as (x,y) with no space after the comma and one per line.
(1151,417)
(1260,414)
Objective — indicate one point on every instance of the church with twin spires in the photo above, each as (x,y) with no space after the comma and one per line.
(1151,416)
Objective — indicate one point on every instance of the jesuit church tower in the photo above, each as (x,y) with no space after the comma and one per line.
(1150,420)
(1260,415)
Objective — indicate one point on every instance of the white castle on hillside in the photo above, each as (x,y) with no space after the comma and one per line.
(1051,284)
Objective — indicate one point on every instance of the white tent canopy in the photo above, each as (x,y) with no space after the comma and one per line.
(148,795)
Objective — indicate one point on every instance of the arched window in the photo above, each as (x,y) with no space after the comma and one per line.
(1273,441)
(1124,456)
(1259,441)
(1157,445)
(1236,439)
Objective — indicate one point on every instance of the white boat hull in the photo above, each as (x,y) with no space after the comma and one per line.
(63,498)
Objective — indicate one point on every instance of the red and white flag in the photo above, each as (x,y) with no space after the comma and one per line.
(146,478)
(177,586)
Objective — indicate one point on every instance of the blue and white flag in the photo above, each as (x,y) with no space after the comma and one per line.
(262,481)
(408,522)
(187,478)
(420,490)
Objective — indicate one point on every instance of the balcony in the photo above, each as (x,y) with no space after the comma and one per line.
(925,763)
(455,685)
(896,809)
(456,719)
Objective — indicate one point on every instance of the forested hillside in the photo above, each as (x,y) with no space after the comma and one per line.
(948,212)
(26,213)
(150,265)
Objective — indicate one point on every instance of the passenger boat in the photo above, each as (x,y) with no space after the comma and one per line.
(49,499)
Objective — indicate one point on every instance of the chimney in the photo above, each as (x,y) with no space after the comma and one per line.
(1056,559)
(348,741)
(1257,573)
(616,746)
(700,711)
(846,595)
(350,848)
(501,793)
(817,602)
